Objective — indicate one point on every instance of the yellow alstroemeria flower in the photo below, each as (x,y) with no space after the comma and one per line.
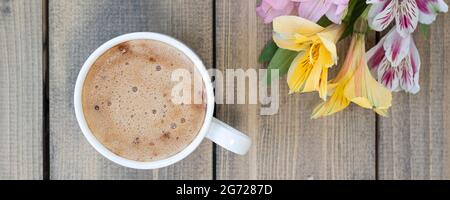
(317,52)
(354,83)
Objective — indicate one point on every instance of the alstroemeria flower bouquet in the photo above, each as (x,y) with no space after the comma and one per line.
(305,33)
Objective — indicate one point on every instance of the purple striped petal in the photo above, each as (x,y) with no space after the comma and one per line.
(428,10)
(388,76)
(406,75)
(409,70)
(406,16)
(376,55)
(396,47)
(381,14)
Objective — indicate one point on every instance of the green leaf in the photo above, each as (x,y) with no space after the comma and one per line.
(355,9)
(282,61)
(324,21)
(268,52)
(424,29)
(351,6)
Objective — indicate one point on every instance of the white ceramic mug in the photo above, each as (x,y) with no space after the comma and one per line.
(212,128)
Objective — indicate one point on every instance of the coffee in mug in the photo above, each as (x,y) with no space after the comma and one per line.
(127,104)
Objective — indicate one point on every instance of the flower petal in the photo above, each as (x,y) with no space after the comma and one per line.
(406,16)
(270,9)
(337,102)
(291,32)
(381,14)
(354,83)
(376,55)
(365,91)
(313,80)
(323,84)
(335,13)
(388,75)
(396,47)
(313,10)
(329,37)
(298,72)
(278,4)
(382,112)
(294,24)
(409,71)
(406,75)
(428,10)
(318,78)
(354,55)
(309,71)
(342,5)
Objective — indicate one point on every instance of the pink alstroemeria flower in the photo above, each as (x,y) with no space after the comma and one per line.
(407,13)
(312,10)
(396,61)
(270,9)
(316,9)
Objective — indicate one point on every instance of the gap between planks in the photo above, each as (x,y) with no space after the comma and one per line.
(45,93)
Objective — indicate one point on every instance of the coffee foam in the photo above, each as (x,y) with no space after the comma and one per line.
(127,101)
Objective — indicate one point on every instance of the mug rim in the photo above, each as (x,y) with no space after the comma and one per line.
(99,146)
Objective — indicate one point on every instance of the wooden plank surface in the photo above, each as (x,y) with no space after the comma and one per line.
(414,143)
(288,145)
(21,89)
(76,29)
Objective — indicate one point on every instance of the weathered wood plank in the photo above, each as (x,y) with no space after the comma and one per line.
(288,145)
(76,29)
(414,142)
(21,89)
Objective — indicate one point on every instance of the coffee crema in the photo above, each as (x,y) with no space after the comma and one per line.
(127,101)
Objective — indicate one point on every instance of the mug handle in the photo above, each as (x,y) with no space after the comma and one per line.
(228,137)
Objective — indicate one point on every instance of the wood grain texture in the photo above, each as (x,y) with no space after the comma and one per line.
(288,145)
(77,28)
(21,89)
(414,141)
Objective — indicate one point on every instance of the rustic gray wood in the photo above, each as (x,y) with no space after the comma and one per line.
(76,29)
(288,145)
(414,141)
(21,89)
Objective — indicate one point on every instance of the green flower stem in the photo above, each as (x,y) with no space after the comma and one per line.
(361,25)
